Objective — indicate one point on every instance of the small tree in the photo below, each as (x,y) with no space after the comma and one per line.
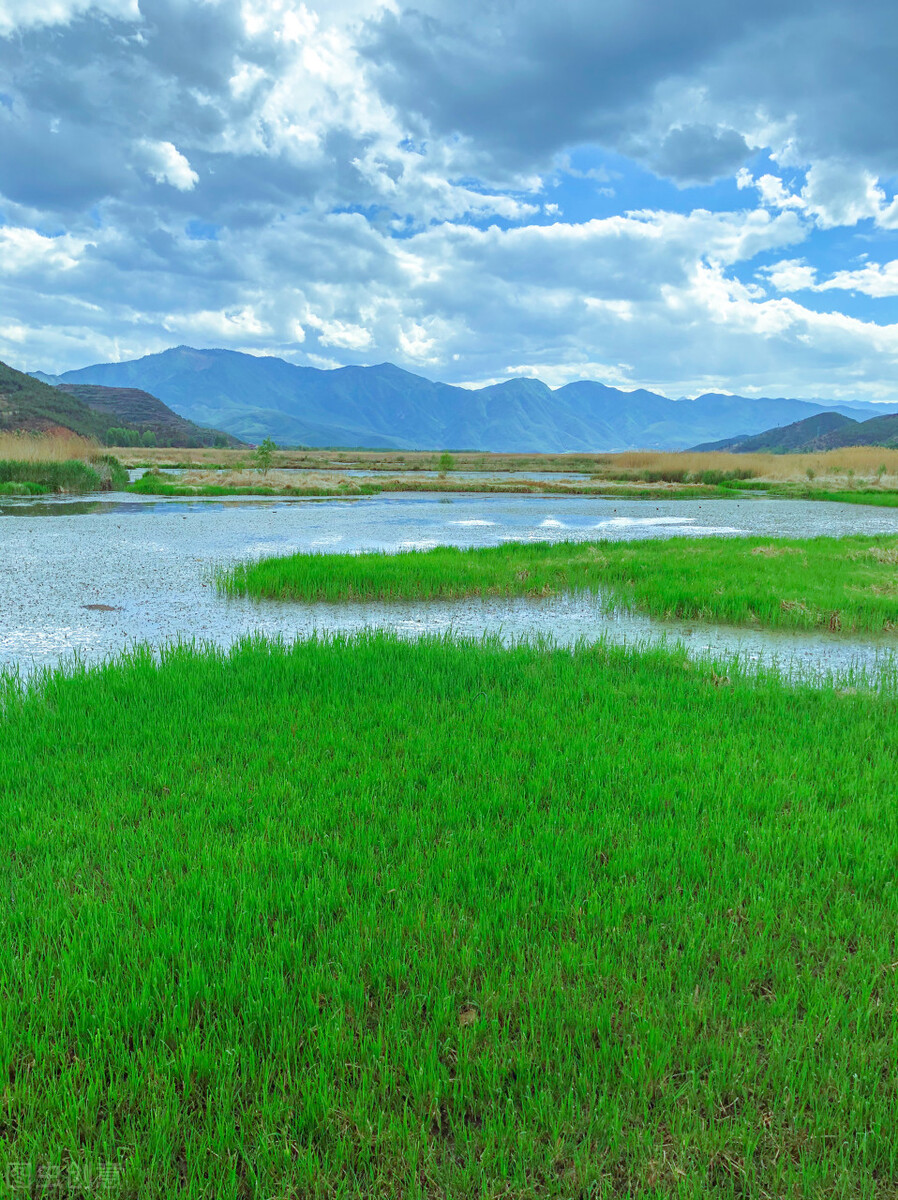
(447,462)
(263,455)
(149,437)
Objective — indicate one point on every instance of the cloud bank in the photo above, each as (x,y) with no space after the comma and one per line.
(685,197)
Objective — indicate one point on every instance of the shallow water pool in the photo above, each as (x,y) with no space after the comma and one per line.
(146,563)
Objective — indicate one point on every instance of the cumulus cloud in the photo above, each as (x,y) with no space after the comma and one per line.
(24,251)
(791,275)
(872,279)
(839,194)
(167,164)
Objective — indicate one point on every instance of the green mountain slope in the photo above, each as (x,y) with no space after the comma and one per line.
(799,437)
(880,431)
(136,409)
(824,431)
(35,407)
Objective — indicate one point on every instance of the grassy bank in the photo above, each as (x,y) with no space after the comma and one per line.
(363,918)
(36,464)
(882,498)
(845,584)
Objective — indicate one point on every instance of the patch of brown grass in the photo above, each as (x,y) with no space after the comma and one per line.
(883,554)
(252,478)
(833,469)
(47,447)
(861,461)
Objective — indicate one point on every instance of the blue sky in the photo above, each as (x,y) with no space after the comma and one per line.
(684,197)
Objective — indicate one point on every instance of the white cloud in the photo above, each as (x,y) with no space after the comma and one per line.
(837,193)
(871,279)
(232,325)
(417,344)
(24,14)
(24,250)
(167,164)
(791,275)
(342,334)
(772,190)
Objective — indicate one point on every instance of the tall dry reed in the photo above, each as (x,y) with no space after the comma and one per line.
(45,448)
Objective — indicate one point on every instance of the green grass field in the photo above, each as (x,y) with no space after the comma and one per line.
(844,584)
(362,918)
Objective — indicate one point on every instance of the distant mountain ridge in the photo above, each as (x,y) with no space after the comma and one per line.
(386,407)
(824,431)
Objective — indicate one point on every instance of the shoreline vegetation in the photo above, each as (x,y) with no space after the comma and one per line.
(37,464)
(846,584)
(41,464)
(858,475)
(361,917)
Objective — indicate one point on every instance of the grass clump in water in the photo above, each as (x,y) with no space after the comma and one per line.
(365,918)
(840,583)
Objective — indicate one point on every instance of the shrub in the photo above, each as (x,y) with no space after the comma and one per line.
(263,455)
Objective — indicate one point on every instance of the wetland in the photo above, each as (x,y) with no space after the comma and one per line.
(450,844)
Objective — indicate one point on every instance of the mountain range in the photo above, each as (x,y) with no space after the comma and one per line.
(383,406)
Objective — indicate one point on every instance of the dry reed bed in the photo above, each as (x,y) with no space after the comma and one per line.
(851,462)
(861,461)
(48,448)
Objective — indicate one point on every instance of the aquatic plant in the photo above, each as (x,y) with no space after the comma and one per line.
(781,582)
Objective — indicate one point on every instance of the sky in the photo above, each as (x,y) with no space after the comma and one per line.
(688,197)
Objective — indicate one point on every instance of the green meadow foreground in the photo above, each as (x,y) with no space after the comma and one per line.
(364,918)
(848,583)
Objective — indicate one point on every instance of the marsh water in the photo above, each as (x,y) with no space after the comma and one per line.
(145,565)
